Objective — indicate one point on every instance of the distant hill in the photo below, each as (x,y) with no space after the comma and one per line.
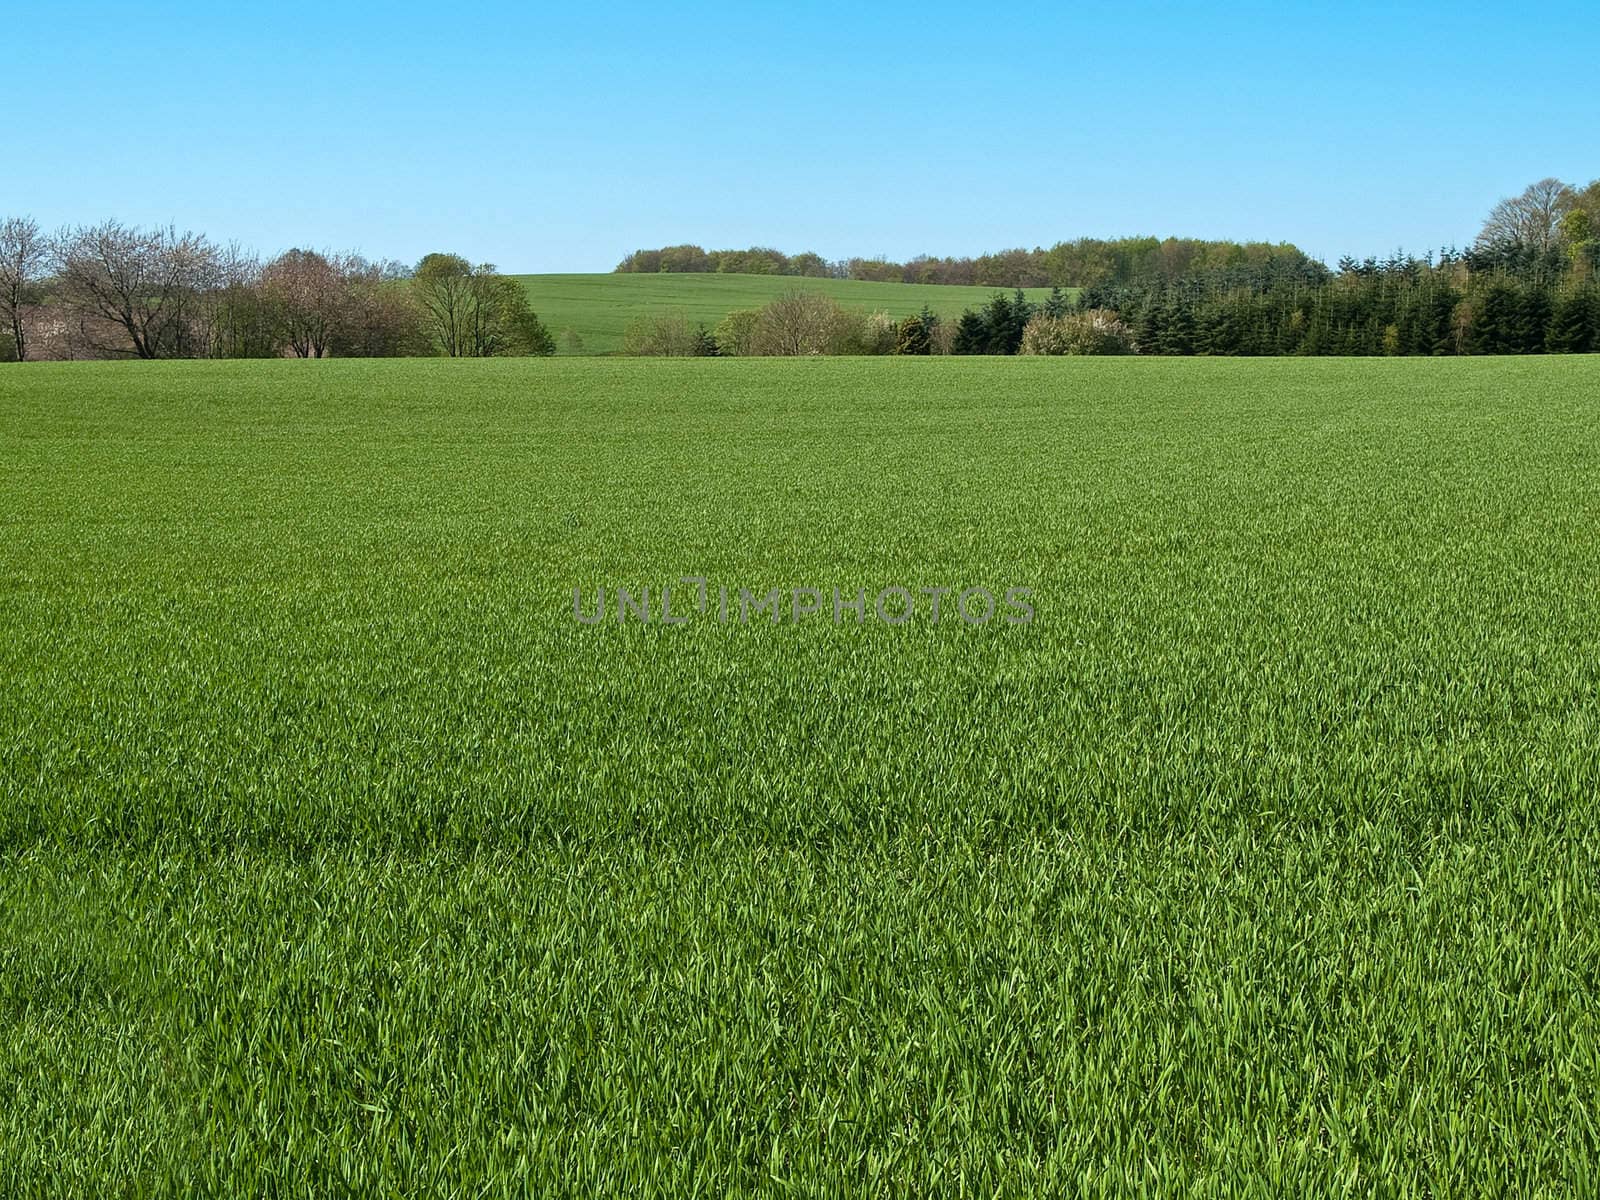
(599,307)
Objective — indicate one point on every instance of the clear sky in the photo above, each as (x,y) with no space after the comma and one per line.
(560,137)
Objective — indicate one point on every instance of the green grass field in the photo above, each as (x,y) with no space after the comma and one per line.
(338,858)
(600,307)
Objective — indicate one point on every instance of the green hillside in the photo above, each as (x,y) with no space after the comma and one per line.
(599,307)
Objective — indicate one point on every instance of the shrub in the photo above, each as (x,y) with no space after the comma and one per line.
(916,333)
(803,322)
(736,332)
(524,333)
(663,335)
(383,319)
(1097,331)
(847,331)
(881,333)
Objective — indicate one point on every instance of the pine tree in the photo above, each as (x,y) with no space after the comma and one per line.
(1291,330)
(997,321)
(705,345)
(1442,304)
(1057,305)
(1424,318)
(1496,316)
(1146,330)
(1533,319)
(1217,328)
(1022,311)
(972,334)
(1177,328)
(1572,324)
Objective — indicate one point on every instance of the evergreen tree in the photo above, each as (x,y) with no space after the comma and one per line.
(1572,326)
(997,320)
(1496,320)
(1057,305)
(705,345)
(1217,328)
(1399,305)
(1177,328)
(1022,311)
(1292,331)
(972,334)
(1146,329)
(1533,320)
(1442,304)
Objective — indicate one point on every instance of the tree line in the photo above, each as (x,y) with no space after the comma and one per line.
(1082,262)
(1529,284)
(115,291)
(1400,306)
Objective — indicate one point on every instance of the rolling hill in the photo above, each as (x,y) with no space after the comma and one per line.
(598,308)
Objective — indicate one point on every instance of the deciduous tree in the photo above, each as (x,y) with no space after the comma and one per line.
(1531,219)
(144,282)
(443,287)
(797,323)
(23,255)
(916,333)
(475,312)
(308,294)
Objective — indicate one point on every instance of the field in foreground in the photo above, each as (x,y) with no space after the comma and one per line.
(599,308)
(336,857)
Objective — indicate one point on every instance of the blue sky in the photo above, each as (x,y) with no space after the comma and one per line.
(558,138)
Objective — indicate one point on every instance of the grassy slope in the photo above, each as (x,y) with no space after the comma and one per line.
(600,307)
(336,857)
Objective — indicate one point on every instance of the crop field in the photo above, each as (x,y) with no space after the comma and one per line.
(339,857)
(599,308)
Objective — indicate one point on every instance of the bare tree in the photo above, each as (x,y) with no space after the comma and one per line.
(799,322)
(1532,219)
(383,319)
(309,293)
(147,283)
(23,253)
(665,335)
(233,318)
